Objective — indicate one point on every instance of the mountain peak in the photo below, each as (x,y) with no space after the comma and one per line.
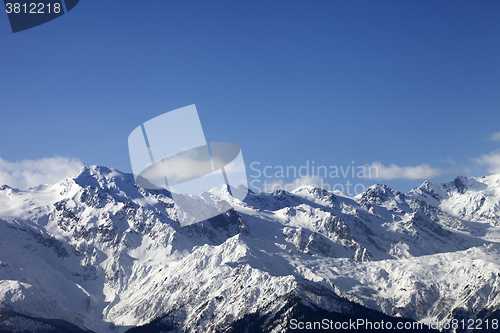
(100,172)
(381,188)
(460,183)
(473,198)
(103,177)
(7,187)
(378,193)
(127,255)
(225,191)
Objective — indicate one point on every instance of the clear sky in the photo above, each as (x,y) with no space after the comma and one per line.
(410,83)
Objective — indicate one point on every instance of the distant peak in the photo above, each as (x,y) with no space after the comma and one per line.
(425,185)
(227,192)
(91,170)
(381,188)
(377,194)
(97,176)
(243,187)
(7,187)
(314,190)
(460,183)
(461,179)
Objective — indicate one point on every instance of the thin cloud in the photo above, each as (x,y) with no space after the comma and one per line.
(31,173)
(279,184)
(379,171)
(495,136)
(191,165)
(491,160)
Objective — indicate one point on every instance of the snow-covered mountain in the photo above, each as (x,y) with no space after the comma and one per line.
(474,199)
(98,253)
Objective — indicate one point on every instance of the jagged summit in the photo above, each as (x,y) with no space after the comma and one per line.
(378,193)
(100,253)
(104,177)
(473,198)
(7,187)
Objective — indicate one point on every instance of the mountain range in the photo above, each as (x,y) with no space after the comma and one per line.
(98,253)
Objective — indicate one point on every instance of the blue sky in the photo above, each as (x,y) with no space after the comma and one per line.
(394,82)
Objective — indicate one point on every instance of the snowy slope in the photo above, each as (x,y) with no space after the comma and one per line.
(102,254)
(475,199)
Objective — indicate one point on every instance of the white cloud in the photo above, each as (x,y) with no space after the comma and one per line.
(492,160)
(279,184)
(191,165)
(377,170)
(30,173)
(495,136)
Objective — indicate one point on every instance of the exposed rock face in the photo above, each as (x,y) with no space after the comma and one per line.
(98,253)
